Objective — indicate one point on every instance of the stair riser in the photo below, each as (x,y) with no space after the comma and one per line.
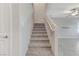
(38,46)
(41,44)
(39,29)
(39,32)
(40,36)
(39,24)
(39,39)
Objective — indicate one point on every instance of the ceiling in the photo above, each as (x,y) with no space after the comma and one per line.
(60,9)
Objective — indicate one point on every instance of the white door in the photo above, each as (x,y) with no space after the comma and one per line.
(4,29)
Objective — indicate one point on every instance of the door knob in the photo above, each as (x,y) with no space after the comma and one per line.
(4,36)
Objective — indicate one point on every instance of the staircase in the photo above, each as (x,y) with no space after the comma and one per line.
(39,43)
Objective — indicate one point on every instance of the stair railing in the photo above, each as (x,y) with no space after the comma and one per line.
(51,24)
(51,30)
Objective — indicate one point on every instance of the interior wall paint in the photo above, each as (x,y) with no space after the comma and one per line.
(21,14)
(15,29)
(26,23)
(39,12)
(70,32)
(5,29)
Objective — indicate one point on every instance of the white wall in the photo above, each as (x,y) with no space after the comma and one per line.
(15,29)
(71,24)
(22,26)
(39,12)
(4,29)
(25,26)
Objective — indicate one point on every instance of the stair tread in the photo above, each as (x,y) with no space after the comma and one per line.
(43,38)
(39,34)
(40,52)
(37,24)
(39,29)
(41,43)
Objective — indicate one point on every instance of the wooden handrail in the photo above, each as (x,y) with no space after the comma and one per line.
(51,25)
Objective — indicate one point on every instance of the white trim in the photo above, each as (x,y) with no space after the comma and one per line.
(11,38)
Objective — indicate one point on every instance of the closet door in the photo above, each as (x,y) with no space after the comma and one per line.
(4,29)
